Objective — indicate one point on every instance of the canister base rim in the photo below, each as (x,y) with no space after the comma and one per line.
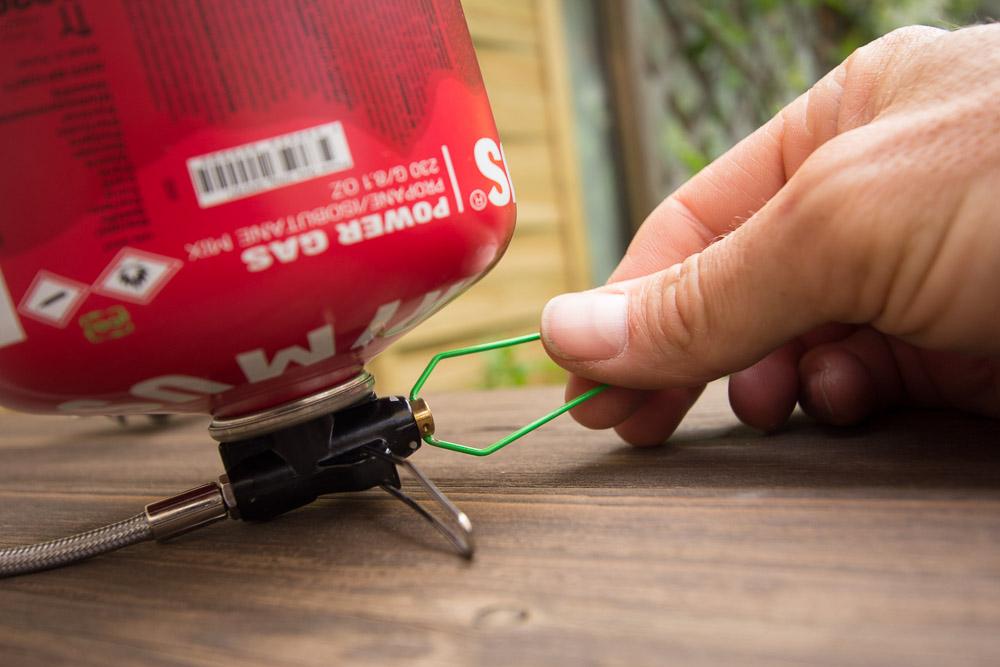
(294,412)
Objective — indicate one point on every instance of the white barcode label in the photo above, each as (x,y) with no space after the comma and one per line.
(250,169)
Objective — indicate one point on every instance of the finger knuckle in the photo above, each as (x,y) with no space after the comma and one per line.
(675,316)
(845,235)
(910,35)
(898,41)
(878,71)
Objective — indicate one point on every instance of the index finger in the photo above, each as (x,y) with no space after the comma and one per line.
(733,187)
(712,203)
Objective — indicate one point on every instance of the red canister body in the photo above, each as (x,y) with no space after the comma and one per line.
(224,206)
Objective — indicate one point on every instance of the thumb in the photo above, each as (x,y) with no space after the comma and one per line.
(718,311)
(824,246)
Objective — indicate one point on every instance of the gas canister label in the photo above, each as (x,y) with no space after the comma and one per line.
(221,206)
(364,205)
(262,166)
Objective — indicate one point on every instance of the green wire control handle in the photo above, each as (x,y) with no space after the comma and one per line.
(519,433)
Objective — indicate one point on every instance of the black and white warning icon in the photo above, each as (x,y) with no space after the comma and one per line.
(52,299)
(136,275)
(133,274)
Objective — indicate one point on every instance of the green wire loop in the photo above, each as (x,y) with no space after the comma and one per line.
(519,433)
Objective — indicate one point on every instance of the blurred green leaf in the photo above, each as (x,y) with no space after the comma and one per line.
(506,368)
(726,66)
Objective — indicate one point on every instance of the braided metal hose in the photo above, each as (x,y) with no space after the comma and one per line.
(161,521)
(66,550)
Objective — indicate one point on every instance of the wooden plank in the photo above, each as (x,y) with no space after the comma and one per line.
(529,275)
(874,545)
(537,216)
(566,162)
(508,24)
(625,64)
(533,169)
(516,90)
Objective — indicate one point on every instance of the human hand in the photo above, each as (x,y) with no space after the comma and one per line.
(846,255)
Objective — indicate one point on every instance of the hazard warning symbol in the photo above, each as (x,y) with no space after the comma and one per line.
(52,299)
(136,275)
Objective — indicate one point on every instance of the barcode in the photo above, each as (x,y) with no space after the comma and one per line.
(250,169)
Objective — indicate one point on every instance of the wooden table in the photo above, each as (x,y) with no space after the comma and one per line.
(841,547)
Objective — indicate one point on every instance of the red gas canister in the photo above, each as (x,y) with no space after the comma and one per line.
(228,206)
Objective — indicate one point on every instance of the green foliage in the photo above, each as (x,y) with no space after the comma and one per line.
(677,143)
(507,368)
(729,65)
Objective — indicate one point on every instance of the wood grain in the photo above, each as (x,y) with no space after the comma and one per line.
(877,545)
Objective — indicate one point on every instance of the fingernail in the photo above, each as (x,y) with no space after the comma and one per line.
(586,326)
